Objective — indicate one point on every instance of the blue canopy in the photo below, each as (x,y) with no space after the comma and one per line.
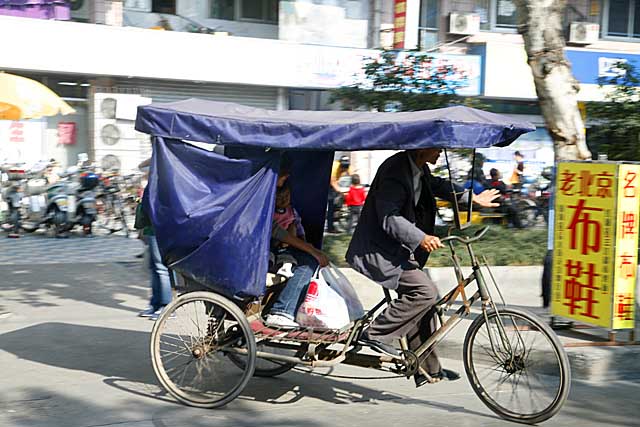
(233,124)
(212,213)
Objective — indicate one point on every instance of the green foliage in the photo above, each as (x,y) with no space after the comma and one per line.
(616,129)
(501,246)
(414,83)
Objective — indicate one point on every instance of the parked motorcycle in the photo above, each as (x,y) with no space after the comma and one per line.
(12,183)
(62,205)
(540,194)
(44,204)
(86,211)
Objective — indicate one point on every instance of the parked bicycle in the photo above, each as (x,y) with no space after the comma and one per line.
(116,201)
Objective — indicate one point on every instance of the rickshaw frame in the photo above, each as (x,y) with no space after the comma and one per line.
(507,348)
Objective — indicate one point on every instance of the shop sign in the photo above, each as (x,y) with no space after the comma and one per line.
(588,66)
(608,67)
(67,133)
(21,141)
(595,243)
(464,76)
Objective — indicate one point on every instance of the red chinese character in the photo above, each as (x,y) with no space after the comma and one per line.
(604,183)
(629,184)
(567,182)
(576,292)
(624,307)
(585,183)
(16,132)
(627,267)
(628,224)
(591,229)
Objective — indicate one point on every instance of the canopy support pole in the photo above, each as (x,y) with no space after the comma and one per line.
(456,208)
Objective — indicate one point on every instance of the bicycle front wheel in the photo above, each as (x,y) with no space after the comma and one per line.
(516,365)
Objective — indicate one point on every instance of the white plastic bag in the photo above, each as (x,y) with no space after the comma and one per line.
(339,283)
(322,307)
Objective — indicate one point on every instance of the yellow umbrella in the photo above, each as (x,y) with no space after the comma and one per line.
(22,98)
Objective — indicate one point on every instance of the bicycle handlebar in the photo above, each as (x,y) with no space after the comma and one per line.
(466,240)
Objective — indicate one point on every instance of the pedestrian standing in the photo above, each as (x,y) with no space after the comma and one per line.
(517,177)
(160,282)
(354,199)
(338,170)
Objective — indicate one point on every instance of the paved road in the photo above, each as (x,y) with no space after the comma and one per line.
(39,248)
(74,354)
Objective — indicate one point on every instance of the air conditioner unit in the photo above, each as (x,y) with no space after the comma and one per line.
(584,33)
(110,162)
(123,160)
(464,23)
(80,10)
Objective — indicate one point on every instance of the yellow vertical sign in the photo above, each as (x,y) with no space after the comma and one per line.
(582,283)
(626,257)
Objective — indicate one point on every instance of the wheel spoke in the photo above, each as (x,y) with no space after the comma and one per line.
(186,360)
(523,382)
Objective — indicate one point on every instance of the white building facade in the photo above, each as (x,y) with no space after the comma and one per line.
(106,57)
(280,55)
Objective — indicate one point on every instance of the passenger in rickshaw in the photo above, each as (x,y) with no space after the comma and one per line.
(307,257)
(391,244)
(287,218)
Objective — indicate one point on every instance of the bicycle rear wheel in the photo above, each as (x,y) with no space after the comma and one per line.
(189,346)
(266,367)
(522,374)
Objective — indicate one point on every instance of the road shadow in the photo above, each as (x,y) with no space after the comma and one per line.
(122,357)
(101,284)
(43,407)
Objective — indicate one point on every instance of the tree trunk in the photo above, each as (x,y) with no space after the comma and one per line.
(541,27)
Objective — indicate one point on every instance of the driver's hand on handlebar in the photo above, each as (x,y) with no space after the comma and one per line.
(321,257)
(431,243)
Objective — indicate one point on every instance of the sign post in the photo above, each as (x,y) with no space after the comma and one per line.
(595,243)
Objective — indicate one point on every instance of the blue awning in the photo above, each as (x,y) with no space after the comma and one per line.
(234,124)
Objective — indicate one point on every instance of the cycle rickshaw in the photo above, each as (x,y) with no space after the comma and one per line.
(211,199)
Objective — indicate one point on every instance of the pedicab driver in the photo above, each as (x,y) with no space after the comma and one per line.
(391,244)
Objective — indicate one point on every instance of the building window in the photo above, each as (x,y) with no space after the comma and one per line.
(429,14)
(164,6)
(259,10)
(623,18)
(506,14)
(223,9)
(496,14)
(246,10)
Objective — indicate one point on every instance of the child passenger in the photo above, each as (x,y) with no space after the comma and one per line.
(287,218)
(306,256)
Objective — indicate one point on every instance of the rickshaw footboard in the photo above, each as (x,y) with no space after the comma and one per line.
(301,335)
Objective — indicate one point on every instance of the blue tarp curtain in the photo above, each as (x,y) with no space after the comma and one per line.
(212,214)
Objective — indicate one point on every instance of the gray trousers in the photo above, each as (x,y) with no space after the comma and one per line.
(411,314)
